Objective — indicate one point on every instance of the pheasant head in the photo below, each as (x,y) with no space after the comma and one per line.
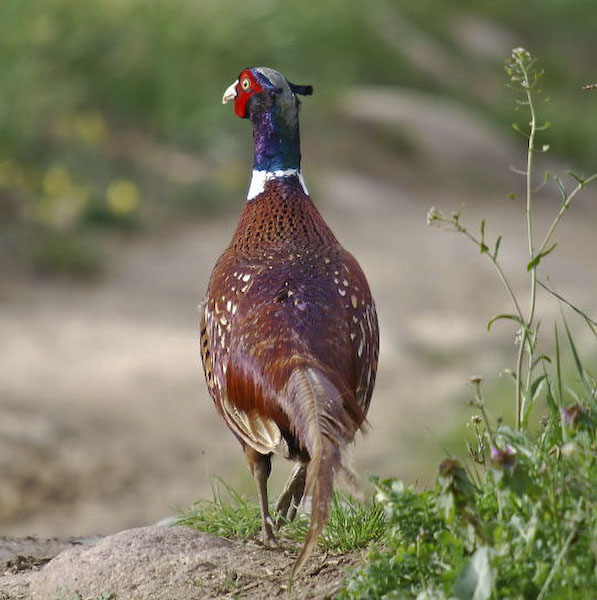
(270,101)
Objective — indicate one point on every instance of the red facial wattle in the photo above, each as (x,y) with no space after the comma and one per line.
(246,87)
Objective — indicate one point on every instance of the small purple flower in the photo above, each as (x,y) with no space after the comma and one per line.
(572,414)
(503,458)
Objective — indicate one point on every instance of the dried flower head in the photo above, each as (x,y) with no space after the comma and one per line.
(433,216)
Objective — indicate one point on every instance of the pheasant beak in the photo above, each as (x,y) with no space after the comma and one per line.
(230,93)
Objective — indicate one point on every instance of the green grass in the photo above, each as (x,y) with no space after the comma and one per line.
(351,525)
(228,515)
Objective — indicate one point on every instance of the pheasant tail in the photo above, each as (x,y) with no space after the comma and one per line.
(324,425)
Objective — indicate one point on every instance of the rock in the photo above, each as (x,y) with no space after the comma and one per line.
(149,562)
(163,563)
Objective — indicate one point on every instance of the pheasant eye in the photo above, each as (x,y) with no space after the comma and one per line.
(245,84)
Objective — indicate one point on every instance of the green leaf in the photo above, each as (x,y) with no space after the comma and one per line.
(533,393)
(535,386)
(577,361)
(513,195)
(505,316)
(497,246)
(550,399)
(518,171)
(590,322)
(521,482)
(578,178)
(477,579)
(537,259)
(561,188)
(517,128)
(558,366)
(483,246)
(541,358)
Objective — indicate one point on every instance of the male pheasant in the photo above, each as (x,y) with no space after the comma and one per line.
(289,334)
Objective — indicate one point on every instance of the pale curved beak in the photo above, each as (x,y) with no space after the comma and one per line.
(230,93)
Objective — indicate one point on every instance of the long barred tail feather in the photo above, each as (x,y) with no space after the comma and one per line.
(324,422)
(321,496)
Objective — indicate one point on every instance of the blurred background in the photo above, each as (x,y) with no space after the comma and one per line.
(121,179)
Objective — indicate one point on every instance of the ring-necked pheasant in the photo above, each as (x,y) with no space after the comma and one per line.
(289,333)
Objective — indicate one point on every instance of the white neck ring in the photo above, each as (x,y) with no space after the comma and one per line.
(259,179)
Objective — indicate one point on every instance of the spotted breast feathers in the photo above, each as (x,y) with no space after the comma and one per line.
(285,294)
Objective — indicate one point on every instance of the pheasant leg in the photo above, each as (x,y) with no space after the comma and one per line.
(260,466)
(291,495)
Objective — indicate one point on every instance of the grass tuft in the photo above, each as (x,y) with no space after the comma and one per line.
(229,515)
(351,525)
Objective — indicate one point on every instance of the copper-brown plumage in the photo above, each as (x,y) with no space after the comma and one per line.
(289,343)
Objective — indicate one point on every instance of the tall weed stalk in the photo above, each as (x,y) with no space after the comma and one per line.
(525,78)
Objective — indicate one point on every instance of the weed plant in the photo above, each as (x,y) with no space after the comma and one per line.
(520,521)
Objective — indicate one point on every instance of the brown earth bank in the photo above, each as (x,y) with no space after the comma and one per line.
(162,563)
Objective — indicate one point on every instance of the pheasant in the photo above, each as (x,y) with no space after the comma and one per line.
(289,333)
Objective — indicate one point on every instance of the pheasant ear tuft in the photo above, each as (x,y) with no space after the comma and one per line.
(303,90)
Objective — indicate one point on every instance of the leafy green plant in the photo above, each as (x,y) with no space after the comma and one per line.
(521,520)
(524,528)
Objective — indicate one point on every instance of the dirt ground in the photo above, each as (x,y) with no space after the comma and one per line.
(105,421)
(163,563)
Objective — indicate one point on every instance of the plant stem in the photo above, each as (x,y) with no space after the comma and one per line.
(562,210)
(527,324)
(497,266)
(558,560)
